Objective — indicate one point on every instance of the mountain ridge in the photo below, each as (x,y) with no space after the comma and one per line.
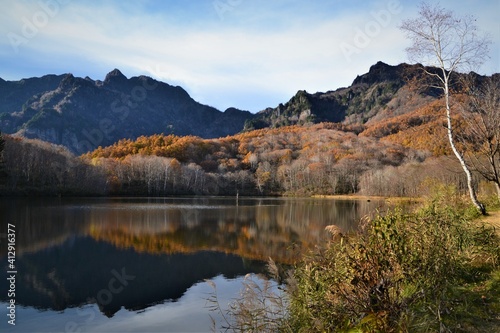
(83,114)
(384,126)
(368,94)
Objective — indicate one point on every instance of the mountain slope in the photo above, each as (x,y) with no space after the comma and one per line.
(13,94)
(83,114)
(384,89)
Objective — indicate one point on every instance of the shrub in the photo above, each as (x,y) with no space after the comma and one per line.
(261,306)
(402,272)
(398,275)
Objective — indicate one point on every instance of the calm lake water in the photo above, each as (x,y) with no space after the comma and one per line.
(140,264)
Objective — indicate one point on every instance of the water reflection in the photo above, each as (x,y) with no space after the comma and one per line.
(85,271)
(256,229)
(134,253)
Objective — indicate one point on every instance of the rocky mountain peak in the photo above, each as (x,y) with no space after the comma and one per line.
(380,72)
(115,76)
(67,82)
(83,114)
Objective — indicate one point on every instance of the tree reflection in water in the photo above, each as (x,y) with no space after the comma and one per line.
(70,250)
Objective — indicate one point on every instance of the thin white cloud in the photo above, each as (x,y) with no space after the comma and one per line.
(229,62)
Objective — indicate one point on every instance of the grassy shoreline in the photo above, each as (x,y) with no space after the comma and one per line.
(435,269)
(388,199)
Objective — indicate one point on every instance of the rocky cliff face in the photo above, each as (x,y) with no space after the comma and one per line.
(365,98)
(82,114)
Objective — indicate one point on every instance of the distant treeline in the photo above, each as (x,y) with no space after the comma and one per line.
(325,159)
(35,167)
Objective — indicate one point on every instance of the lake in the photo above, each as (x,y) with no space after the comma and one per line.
(140,264)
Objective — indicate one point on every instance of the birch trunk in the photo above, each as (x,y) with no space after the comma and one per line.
(460,157)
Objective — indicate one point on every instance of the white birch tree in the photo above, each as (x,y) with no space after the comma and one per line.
(441,39)
(482,135)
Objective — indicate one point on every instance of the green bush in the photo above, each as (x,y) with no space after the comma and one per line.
(398,275)
(422,271)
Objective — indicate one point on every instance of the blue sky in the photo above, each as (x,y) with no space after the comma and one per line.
(250,54)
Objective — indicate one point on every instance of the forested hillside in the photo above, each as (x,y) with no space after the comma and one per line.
(299,160)
(326,158)
(35,167)
(384,135)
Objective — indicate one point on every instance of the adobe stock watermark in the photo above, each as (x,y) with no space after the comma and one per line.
(223,6)
(116,285)
(31,26)
(363,37)
(157,72)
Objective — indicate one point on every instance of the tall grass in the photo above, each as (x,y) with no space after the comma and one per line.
(262,305)
(402,272)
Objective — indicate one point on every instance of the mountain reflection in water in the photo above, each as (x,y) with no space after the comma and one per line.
(138,252)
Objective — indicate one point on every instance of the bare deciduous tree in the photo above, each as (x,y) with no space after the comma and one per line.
(450,43)
(482,115)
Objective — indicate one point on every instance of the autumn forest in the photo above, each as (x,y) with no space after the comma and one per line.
(398,152)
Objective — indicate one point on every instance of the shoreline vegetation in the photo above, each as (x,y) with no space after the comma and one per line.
(388,199)
(432,269)
(285,162)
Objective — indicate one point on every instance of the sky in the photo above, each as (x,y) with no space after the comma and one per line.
(248,54)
